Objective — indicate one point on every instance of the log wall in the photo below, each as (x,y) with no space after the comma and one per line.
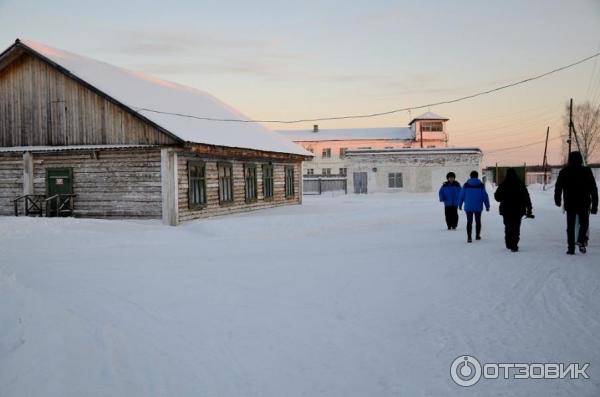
(116,184)
(11,181)
(127,183)
(213,208)
(40,106)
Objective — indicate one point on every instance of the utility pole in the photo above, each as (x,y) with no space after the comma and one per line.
(578,145)
(570,124)
(545,161)
(573,132)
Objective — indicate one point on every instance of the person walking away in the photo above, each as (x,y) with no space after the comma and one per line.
(513,196)
(577,189)
(449,195)
(473,196)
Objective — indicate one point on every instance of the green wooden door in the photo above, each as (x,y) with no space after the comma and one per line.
(59,181)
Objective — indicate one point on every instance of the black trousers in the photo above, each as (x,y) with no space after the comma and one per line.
(477,216)
(584,221)
(451,213)
(512,230)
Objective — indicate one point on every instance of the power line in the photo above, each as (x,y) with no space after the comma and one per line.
(509,138)
(483,132)
(520,146)
(588,93)
(477,123)
(362,116)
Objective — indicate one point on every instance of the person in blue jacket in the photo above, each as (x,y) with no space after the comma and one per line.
(449,195)
(473,196)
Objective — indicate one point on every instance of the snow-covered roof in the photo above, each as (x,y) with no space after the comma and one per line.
(429,116)
(137,90)
(345,134)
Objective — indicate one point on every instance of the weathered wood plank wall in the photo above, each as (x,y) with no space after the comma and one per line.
(123,184)
(127,183)
(213,208)
(41,106)
(11,181)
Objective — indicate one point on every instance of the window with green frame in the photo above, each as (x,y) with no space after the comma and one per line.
(250,182)
(289,181)
(267,171)
(225,171)
(196,184)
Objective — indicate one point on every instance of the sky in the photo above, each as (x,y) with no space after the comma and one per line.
(289,60)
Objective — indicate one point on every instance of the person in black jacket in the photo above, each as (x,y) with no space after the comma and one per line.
(514,202)
(577,185)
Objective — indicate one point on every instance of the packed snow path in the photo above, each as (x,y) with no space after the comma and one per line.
(343,296)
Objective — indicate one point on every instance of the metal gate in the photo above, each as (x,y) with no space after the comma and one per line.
(320,185)
(360,182)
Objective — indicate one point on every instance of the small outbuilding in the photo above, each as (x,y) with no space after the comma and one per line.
(410,170)
(84,138)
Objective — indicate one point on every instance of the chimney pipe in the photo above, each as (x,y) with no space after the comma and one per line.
(316,128)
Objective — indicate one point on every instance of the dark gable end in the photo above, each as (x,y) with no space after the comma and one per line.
(43,104)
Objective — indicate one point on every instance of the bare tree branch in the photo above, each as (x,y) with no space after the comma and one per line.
(586,119)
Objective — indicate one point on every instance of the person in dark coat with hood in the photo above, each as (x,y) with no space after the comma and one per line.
(449,195)
(513,196)
(473,196)
(577,187)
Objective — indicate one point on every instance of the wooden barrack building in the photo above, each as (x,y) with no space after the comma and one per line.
(84,138)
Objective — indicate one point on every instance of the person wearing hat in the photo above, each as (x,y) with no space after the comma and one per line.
(577,189)
(449,195)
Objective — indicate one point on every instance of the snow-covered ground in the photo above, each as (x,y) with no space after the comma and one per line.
(343,296)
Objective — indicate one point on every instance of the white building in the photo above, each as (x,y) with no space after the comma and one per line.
(330,145)
(412,170)
(414,158)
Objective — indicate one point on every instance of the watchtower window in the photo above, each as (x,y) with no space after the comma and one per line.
(432,126)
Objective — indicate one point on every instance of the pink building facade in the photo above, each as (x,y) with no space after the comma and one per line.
(329,146)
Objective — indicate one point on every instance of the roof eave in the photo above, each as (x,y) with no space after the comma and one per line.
(419,119)
(260,152)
